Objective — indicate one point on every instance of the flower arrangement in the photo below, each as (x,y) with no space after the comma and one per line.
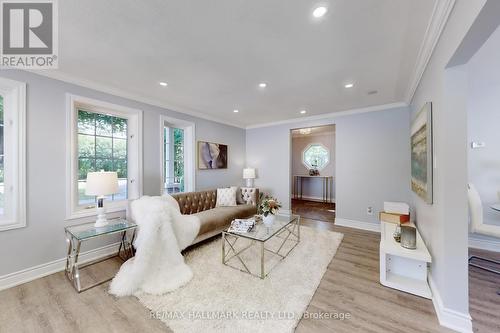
(268,205)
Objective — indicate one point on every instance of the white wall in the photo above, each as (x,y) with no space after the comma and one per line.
(371,165)
(313,188)
(444,224)
(43,239)
(483,120)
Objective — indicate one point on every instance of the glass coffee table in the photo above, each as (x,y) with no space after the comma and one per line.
(246,248)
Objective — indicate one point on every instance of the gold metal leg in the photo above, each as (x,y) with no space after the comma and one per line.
(262,271)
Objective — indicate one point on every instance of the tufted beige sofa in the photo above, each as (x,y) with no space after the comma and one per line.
(214,219)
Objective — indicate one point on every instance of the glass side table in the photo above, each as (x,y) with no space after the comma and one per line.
(77,234)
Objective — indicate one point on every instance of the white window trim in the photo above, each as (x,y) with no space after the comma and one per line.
(189,150)
(14,94)
(134,151)
(316,144)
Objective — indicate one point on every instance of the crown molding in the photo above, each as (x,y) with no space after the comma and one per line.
(440,14)
(56,75)
(349,112)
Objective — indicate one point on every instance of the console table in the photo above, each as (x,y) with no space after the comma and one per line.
(327,182)
(77,234)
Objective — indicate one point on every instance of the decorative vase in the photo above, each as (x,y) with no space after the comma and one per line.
(269,220)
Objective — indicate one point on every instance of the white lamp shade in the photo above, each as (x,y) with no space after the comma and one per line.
(248,173)
(101,183)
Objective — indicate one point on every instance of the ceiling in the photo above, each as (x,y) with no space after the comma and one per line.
(213,54)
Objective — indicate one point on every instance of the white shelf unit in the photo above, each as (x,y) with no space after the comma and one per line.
(401,268)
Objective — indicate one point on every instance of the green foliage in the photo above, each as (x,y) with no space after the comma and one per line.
(102,145)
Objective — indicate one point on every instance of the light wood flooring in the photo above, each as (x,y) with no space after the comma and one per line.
(350,285)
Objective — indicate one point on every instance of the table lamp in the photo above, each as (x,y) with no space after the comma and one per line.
(249,175)
(100,184)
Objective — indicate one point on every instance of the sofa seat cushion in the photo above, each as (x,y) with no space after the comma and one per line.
(219,217)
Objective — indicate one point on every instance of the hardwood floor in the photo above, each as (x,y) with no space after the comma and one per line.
(349,286)
(314,210)
(484,300)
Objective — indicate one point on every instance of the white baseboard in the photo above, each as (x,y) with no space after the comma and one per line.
(39,271)
(484,244)
(357,224)
(457,321)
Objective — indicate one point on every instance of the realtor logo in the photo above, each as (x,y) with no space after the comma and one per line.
(29,34)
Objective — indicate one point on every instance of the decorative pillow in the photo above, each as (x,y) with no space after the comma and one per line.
(239,195)
(226,197)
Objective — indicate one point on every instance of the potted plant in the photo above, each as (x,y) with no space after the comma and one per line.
(268,208)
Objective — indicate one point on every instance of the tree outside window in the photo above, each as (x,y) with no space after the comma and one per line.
(316,156)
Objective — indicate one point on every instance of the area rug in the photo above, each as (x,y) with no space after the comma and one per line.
(224,299)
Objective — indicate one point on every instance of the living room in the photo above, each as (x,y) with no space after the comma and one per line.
(148,179)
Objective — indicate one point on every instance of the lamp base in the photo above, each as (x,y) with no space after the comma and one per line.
(249,182)
(101,214)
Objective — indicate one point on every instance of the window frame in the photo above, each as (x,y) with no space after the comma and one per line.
(14,101)
(189,151)
(134,152)
(316,144)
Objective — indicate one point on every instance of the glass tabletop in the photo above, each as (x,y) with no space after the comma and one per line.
(262,232)
(88,230)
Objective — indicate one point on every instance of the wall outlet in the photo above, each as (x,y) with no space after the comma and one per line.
(369,210)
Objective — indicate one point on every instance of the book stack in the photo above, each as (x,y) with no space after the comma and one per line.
(395,212)
(242,225)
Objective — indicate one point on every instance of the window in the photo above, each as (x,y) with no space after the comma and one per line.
(105,137)
(12,154)
(173,140)
(102,145)
(177,155)
(316,156)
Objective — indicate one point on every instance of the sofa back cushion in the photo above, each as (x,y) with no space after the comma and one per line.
(195,202)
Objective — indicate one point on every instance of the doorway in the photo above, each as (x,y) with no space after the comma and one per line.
(313,172)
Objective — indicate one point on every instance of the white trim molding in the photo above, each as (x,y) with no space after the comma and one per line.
(457,321)
(135,153)
(440,14)
(369,226)
(330,115)
(39,271)
(57,75)
(14,141)
(488,244)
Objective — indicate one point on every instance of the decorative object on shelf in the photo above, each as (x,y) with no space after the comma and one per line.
(211,155)
(268,207)
(421,153)
(100,184)
(313,172)
(397,234)
(249,176)
(394,218)
(408,237)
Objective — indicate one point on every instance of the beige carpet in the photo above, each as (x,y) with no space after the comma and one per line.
(224,299)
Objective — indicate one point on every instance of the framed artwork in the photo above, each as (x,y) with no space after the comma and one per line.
(421,153)
(211,155)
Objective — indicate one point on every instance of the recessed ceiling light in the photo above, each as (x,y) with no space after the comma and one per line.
(303,112)
(262,85)
(236,111)
(163,84)
(320,11)
(349,85)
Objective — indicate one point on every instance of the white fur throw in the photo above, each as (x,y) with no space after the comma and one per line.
(158,266)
